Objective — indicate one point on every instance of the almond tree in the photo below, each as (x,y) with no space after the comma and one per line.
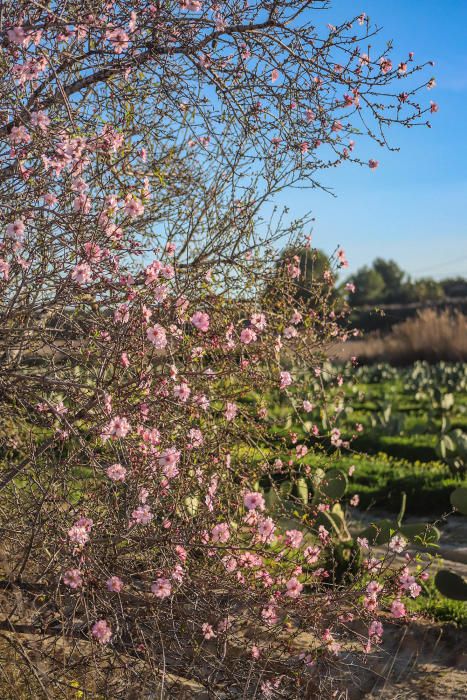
(140,356)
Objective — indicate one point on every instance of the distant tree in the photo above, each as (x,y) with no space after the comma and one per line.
(386,283)
(455,287)
(369,286)
(393,278)
(426,289)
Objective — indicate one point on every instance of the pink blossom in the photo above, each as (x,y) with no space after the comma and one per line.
(81,273)
(285,379)
(78,534)
(119,40)
(269,614)
(124,359)
(133,207)
(72,578)
(152,272)
(375,631)
(182,392)
(220,533)
(200,320)
(202,401)
(4,269)
(290,332)
(296,317)
(40,120)
(114,584)
(87,523)
(15,230)
(248,336)
(301,451)
(398,609)
(373,164)
(385,64)
(208,632)
(293,538)
(258,321)
(102,632)
(82,203)
(196,437)
(167,271)
(433,107)
(230,410)
(293,270)
(397,544)
(19,134)
(169,460)
(118,427)
(181,553)
(294,587)
(157,336)
(142,515)
(122,314)
(18,36)
(311,554)
(307,406)
(230,563)
(162,588)
(266,528)
(191,5)
(341,258)
(373,588)
(254,500)
(274,75)
(116,472)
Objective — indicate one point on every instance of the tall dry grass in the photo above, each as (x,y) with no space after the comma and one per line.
(432,335)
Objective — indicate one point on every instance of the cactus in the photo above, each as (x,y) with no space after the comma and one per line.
(332,485)
(379,532)
(421,533)
(452,448)
(300,490)
(447,582)
(451,585)
(285,489)
(459,499)
(334,522)
(416,533)
(345,561)
(391,423)
(191,504)
(271,498)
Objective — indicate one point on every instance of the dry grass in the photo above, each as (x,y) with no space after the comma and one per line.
(431,335)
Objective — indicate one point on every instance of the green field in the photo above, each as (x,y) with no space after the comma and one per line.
(412,441)
(407,415)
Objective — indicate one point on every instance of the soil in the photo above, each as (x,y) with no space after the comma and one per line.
(423,661)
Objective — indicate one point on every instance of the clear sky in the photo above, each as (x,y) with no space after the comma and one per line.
(413,208)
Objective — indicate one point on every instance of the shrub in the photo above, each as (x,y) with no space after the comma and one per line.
(139,144)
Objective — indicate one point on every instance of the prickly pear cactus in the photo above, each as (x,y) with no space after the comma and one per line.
(459,499)
(451,585)
(447,582)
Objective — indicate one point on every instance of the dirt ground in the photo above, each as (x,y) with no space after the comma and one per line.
(421,662)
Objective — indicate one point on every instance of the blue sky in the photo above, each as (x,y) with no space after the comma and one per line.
(413,208)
